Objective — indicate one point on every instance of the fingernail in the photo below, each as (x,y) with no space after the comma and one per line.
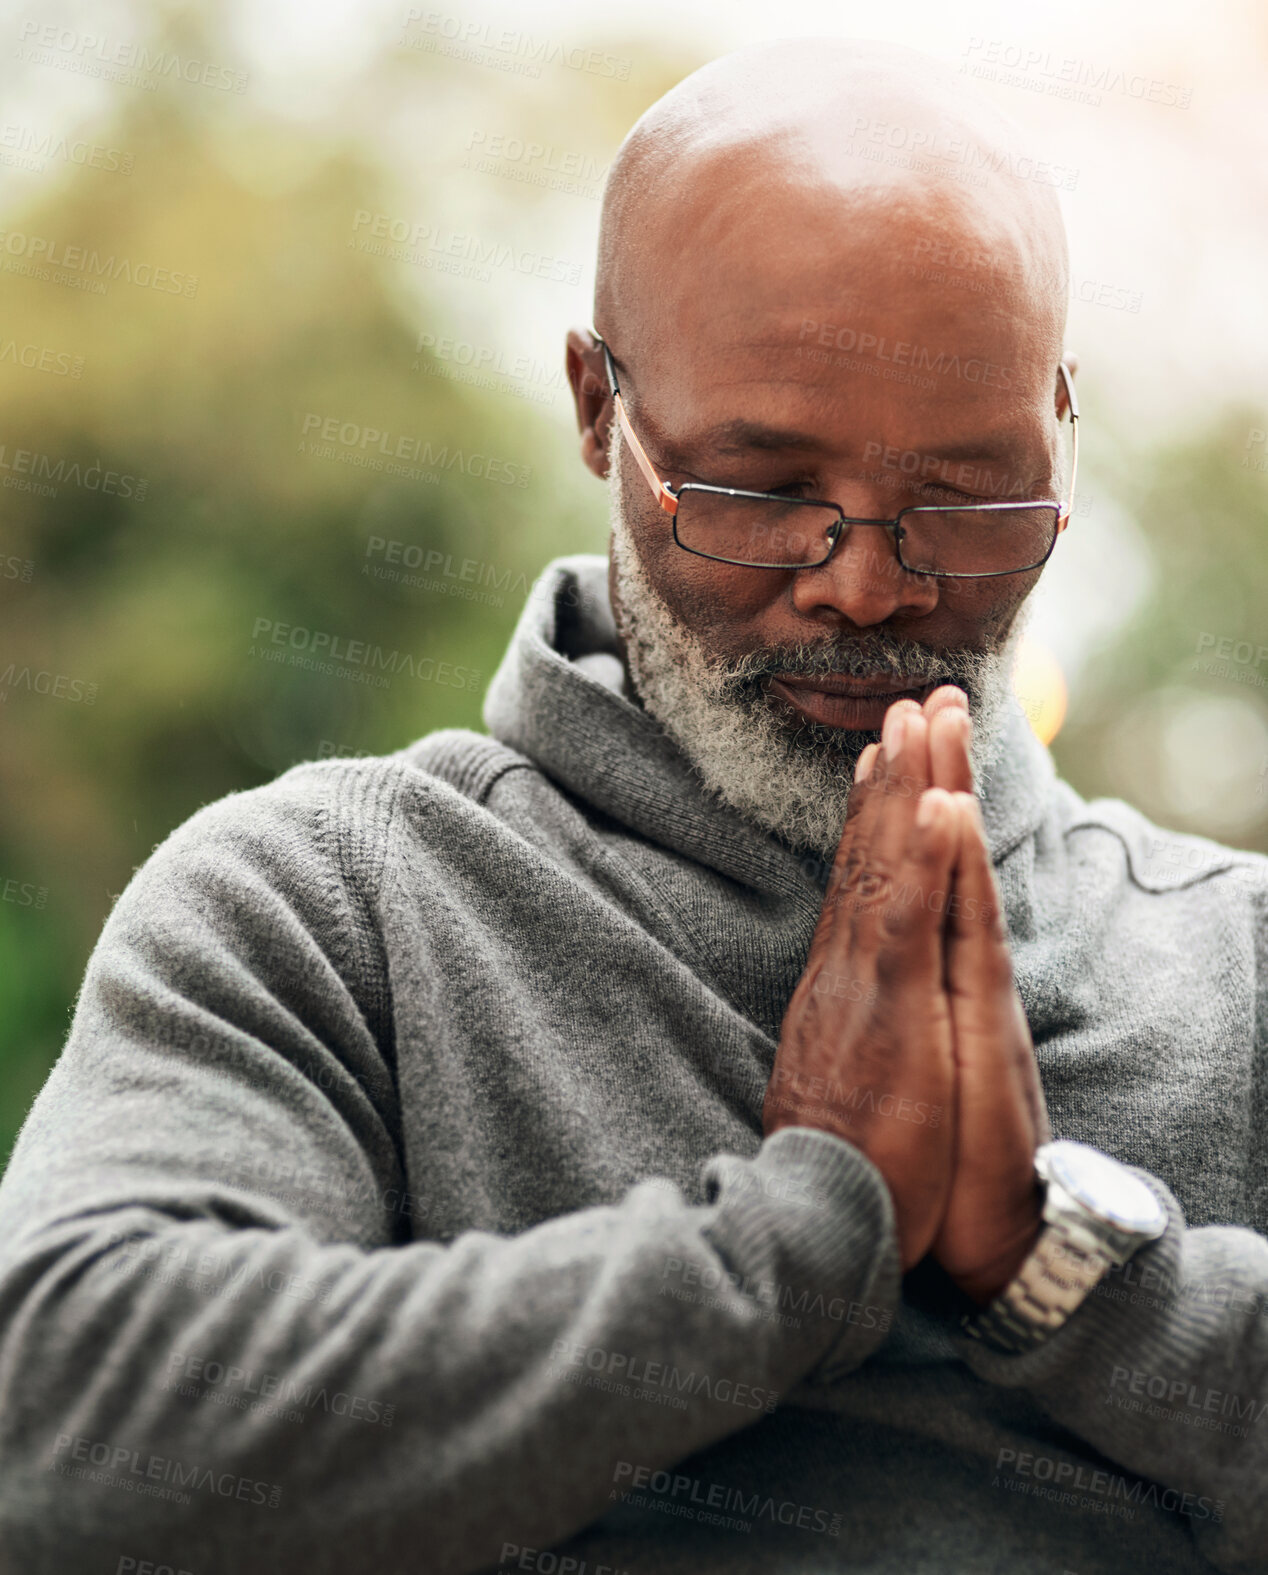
(974,807)
(929,808)
(892,730)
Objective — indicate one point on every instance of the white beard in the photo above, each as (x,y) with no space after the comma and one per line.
(790,777)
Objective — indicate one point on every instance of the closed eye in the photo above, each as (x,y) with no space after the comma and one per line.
(793,489)
(933,492)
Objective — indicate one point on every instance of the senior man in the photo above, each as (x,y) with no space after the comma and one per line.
(624,1141)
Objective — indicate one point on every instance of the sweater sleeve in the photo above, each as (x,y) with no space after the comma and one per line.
(1164,1371)
(225,1339)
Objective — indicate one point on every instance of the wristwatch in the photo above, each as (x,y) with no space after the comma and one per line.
(1096,1214)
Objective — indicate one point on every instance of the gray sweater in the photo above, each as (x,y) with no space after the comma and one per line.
(399,1202)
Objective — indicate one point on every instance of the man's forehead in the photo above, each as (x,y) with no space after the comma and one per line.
(807,275)
(809,385)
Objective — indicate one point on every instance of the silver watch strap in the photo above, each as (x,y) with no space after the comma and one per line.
(1053,1281)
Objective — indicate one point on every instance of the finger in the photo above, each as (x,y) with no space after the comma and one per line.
(879,813)
(850,859)
(977,937)
(945,695)
(883,806)
(949,739)
(991,1020)
(876,760)
(907,924)
(950,734)
(904,778)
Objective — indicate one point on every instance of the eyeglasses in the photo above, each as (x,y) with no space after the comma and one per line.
(765,530)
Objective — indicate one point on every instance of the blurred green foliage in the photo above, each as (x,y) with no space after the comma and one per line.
(154,599)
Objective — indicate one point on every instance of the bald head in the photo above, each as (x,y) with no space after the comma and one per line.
(820,169)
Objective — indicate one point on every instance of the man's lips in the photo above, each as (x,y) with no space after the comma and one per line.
(842,701)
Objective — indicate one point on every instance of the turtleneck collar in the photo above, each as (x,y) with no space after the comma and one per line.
(561,697)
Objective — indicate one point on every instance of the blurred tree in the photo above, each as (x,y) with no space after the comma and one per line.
(212,498)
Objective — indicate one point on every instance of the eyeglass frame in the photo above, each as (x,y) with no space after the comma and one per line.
(668,496)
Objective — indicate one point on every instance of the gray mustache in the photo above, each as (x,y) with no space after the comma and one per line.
(911,665)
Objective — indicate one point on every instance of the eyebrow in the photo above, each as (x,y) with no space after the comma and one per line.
(737,437)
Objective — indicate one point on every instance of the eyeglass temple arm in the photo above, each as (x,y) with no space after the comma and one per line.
(664,496)
(1073,405)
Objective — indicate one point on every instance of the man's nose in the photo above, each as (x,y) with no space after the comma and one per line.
(863,580)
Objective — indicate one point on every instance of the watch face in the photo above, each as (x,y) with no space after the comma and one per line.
(1101,1184)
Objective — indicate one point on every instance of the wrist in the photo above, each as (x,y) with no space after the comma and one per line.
(985,1284)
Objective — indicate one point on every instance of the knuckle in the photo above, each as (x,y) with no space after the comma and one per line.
(898,921)
(928,853)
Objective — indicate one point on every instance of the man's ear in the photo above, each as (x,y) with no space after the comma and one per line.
(1072,363)
(587,377)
